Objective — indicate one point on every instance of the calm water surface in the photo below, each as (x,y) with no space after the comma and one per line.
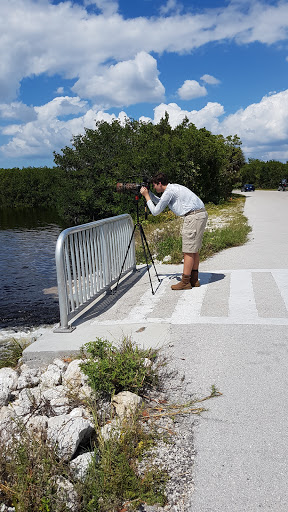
(27,268)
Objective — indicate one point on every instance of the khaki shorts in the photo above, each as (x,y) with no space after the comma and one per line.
(193,230)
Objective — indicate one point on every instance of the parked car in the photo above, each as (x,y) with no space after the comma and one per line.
(247,188)
(283,185)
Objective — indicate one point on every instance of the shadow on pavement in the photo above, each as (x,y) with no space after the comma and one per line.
(204,277)
(108,299)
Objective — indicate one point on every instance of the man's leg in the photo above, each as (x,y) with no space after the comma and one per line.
(196,261)
(189,262)
(191,265)
(185,283)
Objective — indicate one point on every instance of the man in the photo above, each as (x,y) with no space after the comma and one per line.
(185,203)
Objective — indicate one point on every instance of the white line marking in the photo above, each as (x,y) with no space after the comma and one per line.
(241,301)
(242,306)
(188,307)
(281,278)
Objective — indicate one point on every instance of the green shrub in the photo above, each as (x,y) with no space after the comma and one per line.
(113,369)
(12,352)
(29,469)
(115,483)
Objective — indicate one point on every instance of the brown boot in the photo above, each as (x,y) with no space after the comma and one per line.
(194,279)
(184,284)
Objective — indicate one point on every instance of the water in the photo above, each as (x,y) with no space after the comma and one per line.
(28,294)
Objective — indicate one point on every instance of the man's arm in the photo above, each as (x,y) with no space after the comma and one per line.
(161,202)
(154,198)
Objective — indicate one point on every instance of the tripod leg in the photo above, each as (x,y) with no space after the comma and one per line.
(129,245)
(149,252)
(143,239)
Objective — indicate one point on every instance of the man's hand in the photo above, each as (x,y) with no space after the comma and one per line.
(145,193)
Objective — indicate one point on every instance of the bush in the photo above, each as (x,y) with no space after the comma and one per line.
(114,369)
(29,469)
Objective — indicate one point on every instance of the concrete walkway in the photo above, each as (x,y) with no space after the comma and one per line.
(231,332)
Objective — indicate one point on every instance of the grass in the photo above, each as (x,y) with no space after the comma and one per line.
(30,472)
(12,352)
(30,468)
(227,227)
(122,475)
(113,369)
(114,483)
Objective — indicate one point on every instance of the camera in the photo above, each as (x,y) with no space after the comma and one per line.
(134,188)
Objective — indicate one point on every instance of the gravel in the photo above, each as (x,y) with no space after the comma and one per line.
(177,456)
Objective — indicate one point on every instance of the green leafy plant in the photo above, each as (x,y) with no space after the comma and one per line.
(114,483)
(28,474)
(113,369)
(12,352)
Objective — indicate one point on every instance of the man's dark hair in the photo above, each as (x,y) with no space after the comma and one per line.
(160,178)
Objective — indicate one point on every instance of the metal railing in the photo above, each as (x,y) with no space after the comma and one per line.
(88,262)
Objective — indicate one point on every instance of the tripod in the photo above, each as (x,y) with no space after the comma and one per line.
(145,248)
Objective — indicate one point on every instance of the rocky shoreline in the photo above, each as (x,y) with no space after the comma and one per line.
(51,403)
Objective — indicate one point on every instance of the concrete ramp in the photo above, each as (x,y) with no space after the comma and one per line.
(225,297)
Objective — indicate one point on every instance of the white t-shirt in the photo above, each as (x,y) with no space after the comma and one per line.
(178,198)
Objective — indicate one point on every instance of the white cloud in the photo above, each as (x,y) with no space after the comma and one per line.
(125,83)
(108,7)
(47,131)
(17,110)
(41,37)
(261,123)
(60,90)
(191,89)
(209,79)
(262,127)
(61,106)
(171,6)
(206,117)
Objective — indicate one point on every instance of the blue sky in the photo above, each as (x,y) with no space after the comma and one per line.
(64,65)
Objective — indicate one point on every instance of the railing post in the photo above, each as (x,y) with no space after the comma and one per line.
(85,257)
(62,285)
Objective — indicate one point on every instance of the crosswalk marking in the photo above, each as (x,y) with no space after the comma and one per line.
(189,306)
(281,278)
(241,301)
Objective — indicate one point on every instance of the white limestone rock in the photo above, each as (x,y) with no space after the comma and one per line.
(82,413)
(4,508)
(8,383)
(110,430)
(81,464)
(67,432)
(29,400)
(126,404)
(51,377)
(66,494)
(74,377)
(9,427)
(28,377)
(37,425)
(85,392)
(57,399)
(60,364)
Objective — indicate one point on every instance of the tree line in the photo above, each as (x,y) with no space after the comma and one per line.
(263,174)
(82,185)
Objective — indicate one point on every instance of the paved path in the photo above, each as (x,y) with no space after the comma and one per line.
(231,332)
(241,443)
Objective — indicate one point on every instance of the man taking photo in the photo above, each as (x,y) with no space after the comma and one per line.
(184,203)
